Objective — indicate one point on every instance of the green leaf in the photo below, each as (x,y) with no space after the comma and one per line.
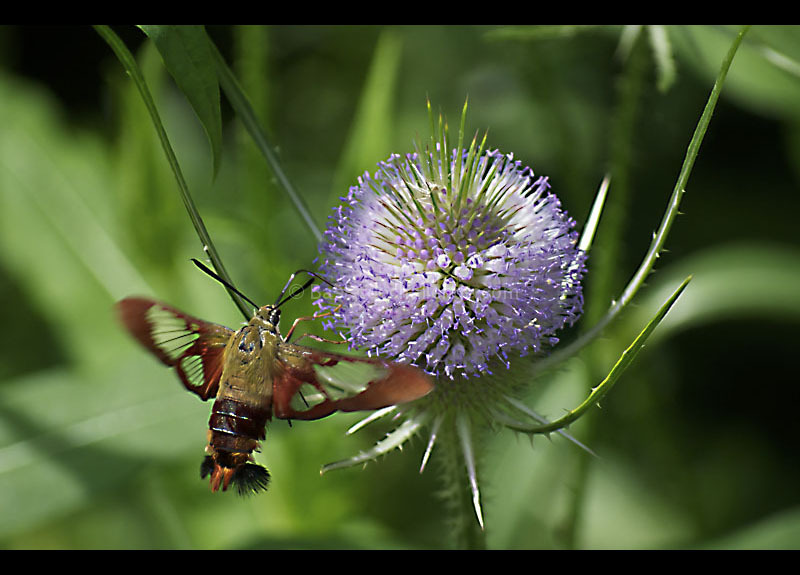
(662,52)
(767,78)
(188,58)
(247,116)
(132,68)
(59,238)
(590,228)
(531,33)
(660,236)
(105,431)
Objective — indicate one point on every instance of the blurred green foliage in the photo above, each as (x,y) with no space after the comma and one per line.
(100,447)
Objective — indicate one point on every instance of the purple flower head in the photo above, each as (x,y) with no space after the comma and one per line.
(452,263)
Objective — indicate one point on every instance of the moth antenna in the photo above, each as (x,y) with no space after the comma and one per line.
(279,302)
(301,289)
(205,268)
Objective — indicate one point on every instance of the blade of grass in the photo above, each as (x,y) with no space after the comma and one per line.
(543,32)
(246,114)
(187,56)
(590,228)
(662,51)
(132,68)
(369,138)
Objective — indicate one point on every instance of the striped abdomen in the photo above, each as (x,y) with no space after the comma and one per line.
(234,432)
(240,415)
(236,428)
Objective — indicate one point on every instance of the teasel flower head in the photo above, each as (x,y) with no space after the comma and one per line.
(457,261)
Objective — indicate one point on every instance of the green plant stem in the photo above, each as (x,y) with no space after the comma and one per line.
(608,244)
(464,531)
(132,68)
(605,267)
(622,161)
(247,115)
(660,236)
(605,386)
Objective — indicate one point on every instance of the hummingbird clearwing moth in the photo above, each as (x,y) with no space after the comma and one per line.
(254,374)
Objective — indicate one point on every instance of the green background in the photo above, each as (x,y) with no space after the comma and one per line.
(100,447)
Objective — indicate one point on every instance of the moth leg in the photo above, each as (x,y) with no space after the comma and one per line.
(310,318)
(321,339)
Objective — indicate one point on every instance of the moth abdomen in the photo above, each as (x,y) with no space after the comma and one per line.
(235,429)
(233,417)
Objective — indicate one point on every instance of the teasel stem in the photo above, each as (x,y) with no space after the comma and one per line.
(455,452)
(660,235)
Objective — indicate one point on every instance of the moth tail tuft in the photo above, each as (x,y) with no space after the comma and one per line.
(207,467)
(251,478)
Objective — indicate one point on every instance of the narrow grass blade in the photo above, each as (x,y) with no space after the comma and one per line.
(247,116)
(187,55)
(132,68)
(665,62)
(544,32)
(369,137)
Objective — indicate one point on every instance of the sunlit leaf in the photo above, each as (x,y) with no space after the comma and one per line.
(662,52)
(132,68)
(103,435)
(765,79)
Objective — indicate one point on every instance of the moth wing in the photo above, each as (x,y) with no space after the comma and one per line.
(310,384)
(193,347)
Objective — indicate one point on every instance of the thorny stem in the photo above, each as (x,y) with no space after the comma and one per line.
(605,266)
(457,490)
(660,236)
(623,159)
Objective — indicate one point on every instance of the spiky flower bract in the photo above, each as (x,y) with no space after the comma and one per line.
(455,260)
